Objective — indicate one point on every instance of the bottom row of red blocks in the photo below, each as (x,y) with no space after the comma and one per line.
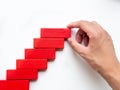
(14,85)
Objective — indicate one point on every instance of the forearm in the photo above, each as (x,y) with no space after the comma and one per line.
(113,77)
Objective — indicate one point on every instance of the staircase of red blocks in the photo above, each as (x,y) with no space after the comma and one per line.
(36,59)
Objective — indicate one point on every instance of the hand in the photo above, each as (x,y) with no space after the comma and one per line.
(98,50)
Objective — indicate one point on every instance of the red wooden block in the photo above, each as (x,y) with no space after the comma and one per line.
(55,32)
(24,74)
(57,43)
(40,54)
(40,64)
(14,84)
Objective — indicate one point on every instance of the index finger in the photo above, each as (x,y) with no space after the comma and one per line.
(85,26)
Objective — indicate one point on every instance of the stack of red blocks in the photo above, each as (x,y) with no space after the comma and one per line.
(36,59)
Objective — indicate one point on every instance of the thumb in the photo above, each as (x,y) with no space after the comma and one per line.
(79,48)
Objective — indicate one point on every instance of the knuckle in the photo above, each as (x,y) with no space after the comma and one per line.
(94,22)
(84,21)
(96,35)
(106,33)
(100,33)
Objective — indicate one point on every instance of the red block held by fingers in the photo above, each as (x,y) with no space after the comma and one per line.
(40,54)
(29,74)
(39,64)
(14,84)
(55,33)
(57,43)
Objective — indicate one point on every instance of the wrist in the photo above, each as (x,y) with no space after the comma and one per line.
(111,65)
(112,76)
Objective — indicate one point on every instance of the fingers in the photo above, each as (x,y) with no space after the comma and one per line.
(89,33)
(76,24)
(76,46)
(86,40)
(82,36)
(79,36)
(88,27)
(85,26)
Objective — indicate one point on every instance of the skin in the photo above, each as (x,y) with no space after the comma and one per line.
(98,50)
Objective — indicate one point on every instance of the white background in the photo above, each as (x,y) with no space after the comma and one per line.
(20,21)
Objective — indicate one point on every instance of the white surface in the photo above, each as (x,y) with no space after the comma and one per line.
(20,21)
